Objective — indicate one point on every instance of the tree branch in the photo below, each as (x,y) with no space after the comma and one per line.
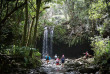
(32,6)
(36,9)
(16,8)
(44,9)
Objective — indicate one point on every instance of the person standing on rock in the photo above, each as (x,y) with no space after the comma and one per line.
(86,55)
(47,58)
(57,60)
(62,60)
(55,56)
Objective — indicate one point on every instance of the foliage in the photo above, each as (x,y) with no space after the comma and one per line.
(60,34)
(14,23)
(84,17)
(78,39)
(101,48)
(77,12)
(96,10)
(99,13)
(24,53)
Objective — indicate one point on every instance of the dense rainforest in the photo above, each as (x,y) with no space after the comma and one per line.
(30,29)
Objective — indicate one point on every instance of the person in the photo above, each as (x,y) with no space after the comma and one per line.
(55,56)
(57,60)
(62,60)
(48,58)
(86,54)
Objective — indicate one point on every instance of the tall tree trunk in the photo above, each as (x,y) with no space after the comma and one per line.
(1,2)
(30,32)
(93,27)
(38,2)
(26,24)
(108,7)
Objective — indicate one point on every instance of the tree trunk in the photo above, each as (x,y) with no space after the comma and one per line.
(108,7)
(38,2)
(26,24)
(2,21)
(30,33)
(1,2)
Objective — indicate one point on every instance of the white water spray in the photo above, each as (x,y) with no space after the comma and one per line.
(45,43)
(51,41)
(48,42)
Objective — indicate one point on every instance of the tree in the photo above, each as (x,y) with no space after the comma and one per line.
(38,2)
(26,23)
(7,19)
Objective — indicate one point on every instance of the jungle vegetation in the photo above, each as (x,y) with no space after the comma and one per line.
(22,24)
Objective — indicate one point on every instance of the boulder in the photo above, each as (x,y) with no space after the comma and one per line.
(42,73)
(78,63)
(70,69)
(91,69)
(69,63)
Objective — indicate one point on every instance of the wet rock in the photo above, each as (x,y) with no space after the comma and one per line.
(43,73)
(91,69)
(69,64)
(78,63)
(70,69)
(68,60)
(73,72)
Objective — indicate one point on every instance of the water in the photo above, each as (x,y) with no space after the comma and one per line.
(48,41)
(51,41)
(45,42)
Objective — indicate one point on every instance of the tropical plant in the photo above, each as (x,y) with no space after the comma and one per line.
(101,48)
(22,54)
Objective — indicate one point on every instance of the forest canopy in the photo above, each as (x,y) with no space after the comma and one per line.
(22,22)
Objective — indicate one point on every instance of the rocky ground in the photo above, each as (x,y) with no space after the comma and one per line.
(52,68)
(72,66)
(81,65)
(76,66)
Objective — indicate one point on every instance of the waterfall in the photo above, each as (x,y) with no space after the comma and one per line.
(48,42)
(45,42)
(51,41)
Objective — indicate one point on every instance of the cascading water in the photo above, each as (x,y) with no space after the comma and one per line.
(47,42)
(51,41)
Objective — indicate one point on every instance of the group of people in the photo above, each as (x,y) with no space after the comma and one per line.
(57,59)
